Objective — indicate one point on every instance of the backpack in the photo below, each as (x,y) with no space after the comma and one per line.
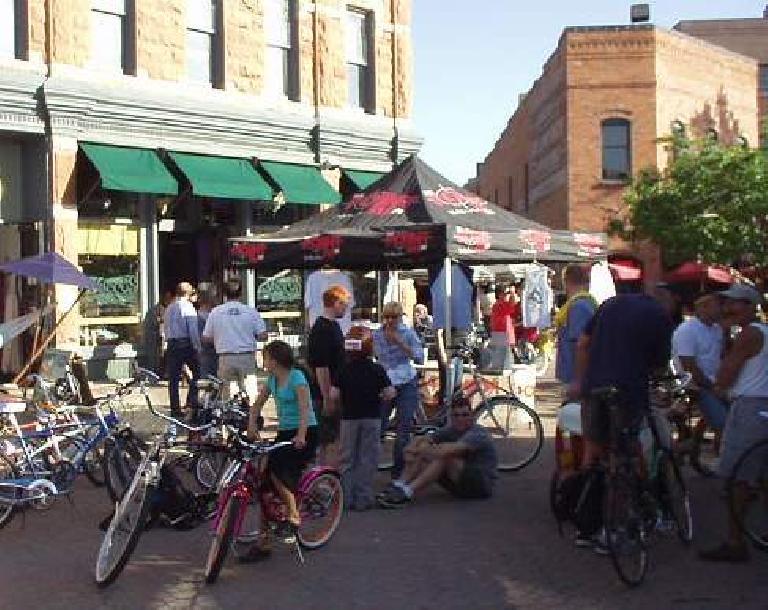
(578,499)
(175,506)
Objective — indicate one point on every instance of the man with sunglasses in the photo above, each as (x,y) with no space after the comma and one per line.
(461,458)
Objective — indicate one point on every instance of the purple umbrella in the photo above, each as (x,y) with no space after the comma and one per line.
(50,268)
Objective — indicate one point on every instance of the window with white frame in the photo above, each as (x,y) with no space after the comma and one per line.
(8,28)
(201,35)
(359,60)
(280,59)
(108,34)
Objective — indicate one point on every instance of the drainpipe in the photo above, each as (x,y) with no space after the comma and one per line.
(47,237)
(395,67)
(316,76)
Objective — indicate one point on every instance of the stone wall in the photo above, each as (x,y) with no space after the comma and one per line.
(244,45)
(161,39)
(71,27)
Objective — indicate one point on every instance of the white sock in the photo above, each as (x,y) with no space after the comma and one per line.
(407,490)
(398,483)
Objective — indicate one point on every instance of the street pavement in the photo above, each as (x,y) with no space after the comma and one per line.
(438,554)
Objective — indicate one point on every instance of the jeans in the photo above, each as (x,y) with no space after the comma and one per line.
(359,460)
(178,354)
(713,408)
(406,403)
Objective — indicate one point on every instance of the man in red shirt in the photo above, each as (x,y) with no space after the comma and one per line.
(505,313)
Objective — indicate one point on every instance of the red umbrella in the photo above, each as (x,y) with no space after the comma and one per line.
(699,273)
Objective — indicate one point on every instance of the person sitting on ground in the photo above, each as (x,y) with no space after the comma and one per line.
(460,457)
(361,387)
(296,423)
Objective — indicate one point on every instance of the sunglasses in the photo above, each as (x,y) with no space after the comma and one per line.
(462,414)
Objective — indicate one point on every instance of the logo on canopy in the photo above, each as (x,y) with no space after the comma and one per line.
(380,203)
(471,241)
(457,202)
(537,241)
(399,243)
(590,244)
(322,248)
(249,252)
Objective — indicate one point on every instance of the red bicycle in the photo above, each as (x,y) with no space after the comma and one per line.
(250,509)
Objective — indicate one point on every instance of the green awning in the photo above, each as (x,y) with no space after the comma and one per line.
(138,170)
(226,177)
(302,184)
(362,179)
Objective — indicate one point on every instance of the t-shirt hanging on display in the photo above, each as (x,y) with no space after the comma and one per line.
(463,296)
(601,284)
(317,283)
(537,296)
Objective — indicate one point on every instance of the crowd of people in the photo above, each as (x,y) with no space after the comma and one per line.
(632,337)
(337,404)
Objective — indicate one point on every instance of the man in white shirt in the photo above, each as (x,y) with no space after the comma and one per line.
(317,283)
(234,328)
(698,345)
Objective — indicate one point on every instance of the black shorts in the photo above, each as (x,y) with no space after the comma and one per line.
(287,463)
(472,484)
(596,420)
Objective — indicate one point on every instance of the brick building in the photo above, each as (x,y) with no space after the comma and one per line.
(595,115)
(136,136)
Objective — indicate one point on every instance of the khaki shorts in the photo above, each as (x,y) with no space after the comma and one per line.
(241,369)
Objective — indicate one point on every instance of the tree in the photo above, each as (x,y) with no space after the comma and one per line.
(711,202)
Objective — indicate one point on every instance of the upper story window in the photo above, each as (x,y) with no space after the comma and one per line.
(9,28)
(108,28)
(360,49)
(617,149)
(281,62)
(764,79)
(201,40)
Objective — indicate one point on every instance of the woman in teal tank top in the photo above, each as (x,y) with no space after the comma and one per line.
(296,423)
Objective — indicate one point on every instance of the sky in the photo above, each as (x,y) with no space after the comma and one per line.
(473,59)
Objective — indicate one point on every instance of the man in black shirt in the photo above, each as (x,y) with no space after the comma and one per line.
(325,356)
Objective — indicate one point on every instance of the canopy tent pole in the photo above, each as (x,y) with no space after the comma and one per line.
(448,298)
(47,340)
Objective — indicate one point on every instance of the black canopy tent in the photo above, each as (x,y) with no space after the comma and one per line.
(412,218)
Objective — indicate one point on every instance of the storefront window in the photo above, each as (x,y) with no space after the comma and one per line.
(109,254)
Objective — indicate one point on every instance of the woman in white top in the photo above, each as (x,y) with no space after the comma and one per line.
(743,376)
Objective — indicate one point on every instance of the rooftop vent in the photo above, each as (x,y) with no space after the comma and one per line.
(640,13)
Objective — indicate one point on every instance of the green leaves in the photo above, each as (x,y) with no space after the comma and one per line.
(711,202)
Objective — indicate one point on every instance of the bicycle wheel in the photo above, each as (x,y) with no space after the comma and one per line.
(8,493)
(93,465)
(320,507)
(125,529)
(222,539)
(674,496)
(120,459)
(208,466)
(625,529)
(747,490)
(515,428)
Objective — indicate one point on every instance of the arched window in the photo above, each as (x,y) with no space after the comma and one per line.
(678,129)
(741,141)
(617,149)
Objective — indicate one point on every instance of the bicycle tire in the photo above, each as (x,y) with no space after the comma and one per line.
(222,539)
(93,465)
(753,524)
(676,499)
(122,455)
(625,529)
(695,454)
(208,466)
(318,501)
(8,509)
(497,415)
(130,517)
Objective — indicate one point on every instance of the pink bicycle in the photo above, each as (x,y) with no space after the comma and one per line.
(249,508)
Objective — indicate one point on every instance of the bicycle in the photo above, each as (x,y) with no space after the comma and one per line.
(639,493)
(248,496)
(747,492)
(515,428)
(132,511)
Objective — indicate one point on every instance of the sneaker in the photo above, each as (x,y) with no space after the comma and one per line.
(600,545)
(396,498)
(583,541)
(726,553)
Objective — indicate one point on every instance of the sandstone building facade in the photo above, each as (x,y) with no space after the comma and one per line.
(124,125)
(595,117)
